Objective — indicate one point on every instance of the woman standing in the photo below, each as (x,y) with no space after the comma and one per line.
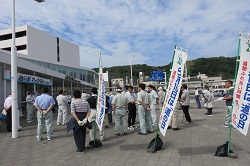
(80,110)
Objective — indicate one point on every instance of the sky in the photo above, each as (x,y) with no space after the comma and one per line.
(145,30)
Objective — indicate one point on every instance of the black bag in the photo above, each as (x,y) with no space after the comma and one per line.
(155,144)
(98,143)
(222,150)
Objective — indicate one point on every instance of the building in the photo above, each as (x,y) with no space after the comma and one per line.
(43,60)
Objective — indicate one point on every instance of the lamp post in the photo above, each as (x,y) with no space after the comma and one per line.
(14,107)
(131,71)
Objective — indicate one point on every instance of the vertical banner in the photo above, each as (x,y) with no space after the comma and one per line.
(241,97)
(101,98)
(173,88)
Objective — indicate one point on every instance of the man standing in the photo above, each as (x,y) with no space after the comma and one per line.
(131,107)
(185,102)
(154,100)
(62,102)
(30,99)
(143,100)
(161,97)
(229,99)
(197,98)
(120,106)
(7,107)
(44,104)
(92,118)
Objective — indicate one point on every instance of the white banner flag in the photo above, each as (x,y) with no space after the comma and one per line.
(173,89)
(241,97)
(101,98)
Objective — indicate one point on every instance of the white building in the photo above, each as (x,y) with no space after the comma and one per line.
(43,57)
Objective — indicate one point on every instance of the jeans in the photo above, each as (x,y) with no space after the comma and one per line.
(197,99)
(46,119)
(145,119)
(110,115)
(185,109)
(131,114)
(120,120)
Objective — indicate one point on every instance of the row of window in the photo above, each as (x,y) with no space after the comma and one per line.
(19,48)
(9,36)
(83,75)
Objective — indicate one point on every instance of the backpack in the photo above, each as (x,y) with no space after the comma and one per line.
(155,144)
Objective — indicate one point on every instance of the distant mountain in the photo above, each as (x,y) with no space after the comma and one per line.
(212,67)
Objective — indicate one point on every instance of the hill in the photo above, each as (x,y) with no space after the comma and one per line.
(212,67)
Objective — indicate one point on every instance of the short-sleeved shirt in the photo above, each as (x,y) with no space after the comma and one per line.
(228,93)
(144,97)
(44,101)
(130,96)
(120,101)
(153,97)
(79,105)
(8,101)
(161,96)
(92,101)
(185,96)
(62,100)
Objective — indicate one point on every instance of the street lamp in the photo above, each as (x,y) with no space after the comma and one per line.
(14,106)
(131,71)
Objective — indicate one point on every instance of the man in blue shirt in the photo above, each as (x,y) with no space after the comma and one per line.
(44,104)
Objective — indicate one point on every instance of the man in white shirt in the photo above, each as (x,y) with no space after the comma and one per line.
(161,95)
(62,102)
(30,99)
(131,107)
(7,107)
(154,100)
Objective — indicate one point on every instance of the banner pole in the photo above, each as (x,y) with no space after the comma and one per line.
(235,77)
(166,81)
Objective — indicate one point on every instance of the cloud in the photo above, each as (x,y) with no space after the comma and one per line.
(147,29)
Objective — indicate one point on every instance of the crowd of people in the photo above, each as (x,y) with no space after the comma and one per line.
(123,105)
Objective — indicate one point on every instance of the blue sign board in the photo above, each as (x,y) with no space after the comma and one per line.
(157,75)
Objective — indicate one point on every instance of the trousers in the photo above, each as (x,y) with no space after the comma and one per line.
(131,114)
(185,109)
(9,119)
(154,113)
(145,119)
(80,133)
(174,118)
(62,115)
(120,120)
(46,119)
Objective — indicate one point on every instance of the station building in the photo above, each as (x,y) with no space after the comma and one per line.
(42,60)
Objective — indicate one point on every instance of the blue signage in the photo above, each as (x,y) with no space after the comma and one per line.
(157,75)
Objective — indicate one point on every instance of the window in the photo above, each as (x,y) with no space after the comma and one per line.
(58,50)
(21,47)
(9,36)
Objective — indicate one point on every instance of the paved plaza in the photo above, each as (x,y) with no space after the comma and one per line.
(194,145)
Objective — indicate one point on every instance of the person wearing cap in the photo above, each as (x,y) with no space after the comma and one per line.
(185,99)
(143,101)
(92,117)
(120,106)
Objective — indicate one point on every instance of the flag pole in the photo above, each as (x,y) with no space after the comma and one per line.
(166,81)
(235,77)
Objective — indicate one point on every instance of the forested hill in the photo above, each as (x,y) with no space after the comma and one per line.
(215,66)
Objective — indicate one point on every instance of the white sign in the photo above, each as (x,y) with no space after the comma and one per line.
(101,99)
(30,79)
(241,97)
(173,89)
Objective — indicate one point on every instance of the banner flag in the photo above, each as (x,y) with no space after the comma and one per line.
(173,88)
(241,97)
(101,98)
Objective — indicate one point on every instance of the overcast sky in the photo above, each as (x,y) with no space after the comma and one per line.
(147,29)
